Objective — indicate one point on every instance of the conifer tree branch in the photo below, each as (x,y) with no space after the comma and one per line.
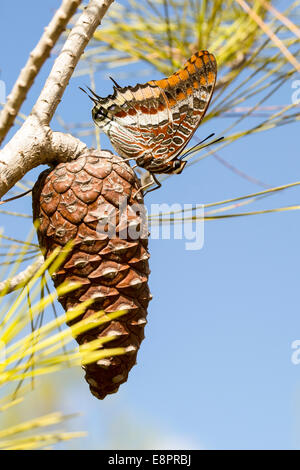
(274,38)
(35,143)
(34,64)
(67,60)
(20,279)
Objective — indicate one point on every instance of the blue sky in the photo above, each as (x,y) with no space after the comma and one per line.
(215,369)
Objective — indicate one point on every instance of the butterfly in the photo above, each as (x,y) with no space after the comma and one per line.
(152,123)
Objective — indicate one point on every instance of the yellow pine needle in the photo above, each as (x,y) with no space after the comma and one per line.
(289,56)
(11,397)
(259,193)
(47,420)
(39,353)
(63,253)
(265,211)
(38,274)
(227,216)
(44,330)
(286,21)
(81,327)
(17,324)
(24,250)
(230,207)
(66,336)
(12,403)
(95,344)
(56,363)
(48,368)
(39,441)
(156,217)
(41,367)
(8,256)
(72,332)
(21,242)
(16,214)
(21,184)
(98,319)
(91,345)
(94,356)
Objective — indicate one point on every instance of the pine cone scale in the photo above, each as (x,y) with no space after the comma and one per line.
(91,201)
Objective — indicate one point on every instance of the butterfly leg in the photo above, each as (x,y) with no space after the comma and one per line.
(158,184)
(127,159)
(153,179)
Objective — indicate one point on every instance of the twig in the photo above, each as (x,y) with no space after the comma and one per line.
(16,197)
(67,60)
(36,60)
(289,56)
(93,87)
(239,172)
(35,143)
(286,21)
(21,279)
(169,33)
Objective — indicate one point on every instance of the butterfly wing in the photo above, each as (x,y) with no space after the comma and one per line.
(188,92)
(135,118)
(156,120)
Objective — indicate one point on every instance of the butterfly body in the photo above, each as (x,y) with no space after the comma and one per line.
(152,123)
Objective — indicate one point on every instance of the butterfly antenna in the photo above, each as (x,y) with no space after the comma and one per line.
(114,81)
(96,101)
(119,88)
(84,91)
(213,142)
(94,94)
(196,147)
(206,138)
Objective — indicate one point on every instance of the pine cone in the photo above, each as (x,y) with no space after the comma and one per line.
(80,200)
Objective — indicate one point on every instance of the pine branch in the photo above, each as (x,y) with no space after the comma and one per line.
(34,64)
(35,143)
(275,39)
(20,279)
